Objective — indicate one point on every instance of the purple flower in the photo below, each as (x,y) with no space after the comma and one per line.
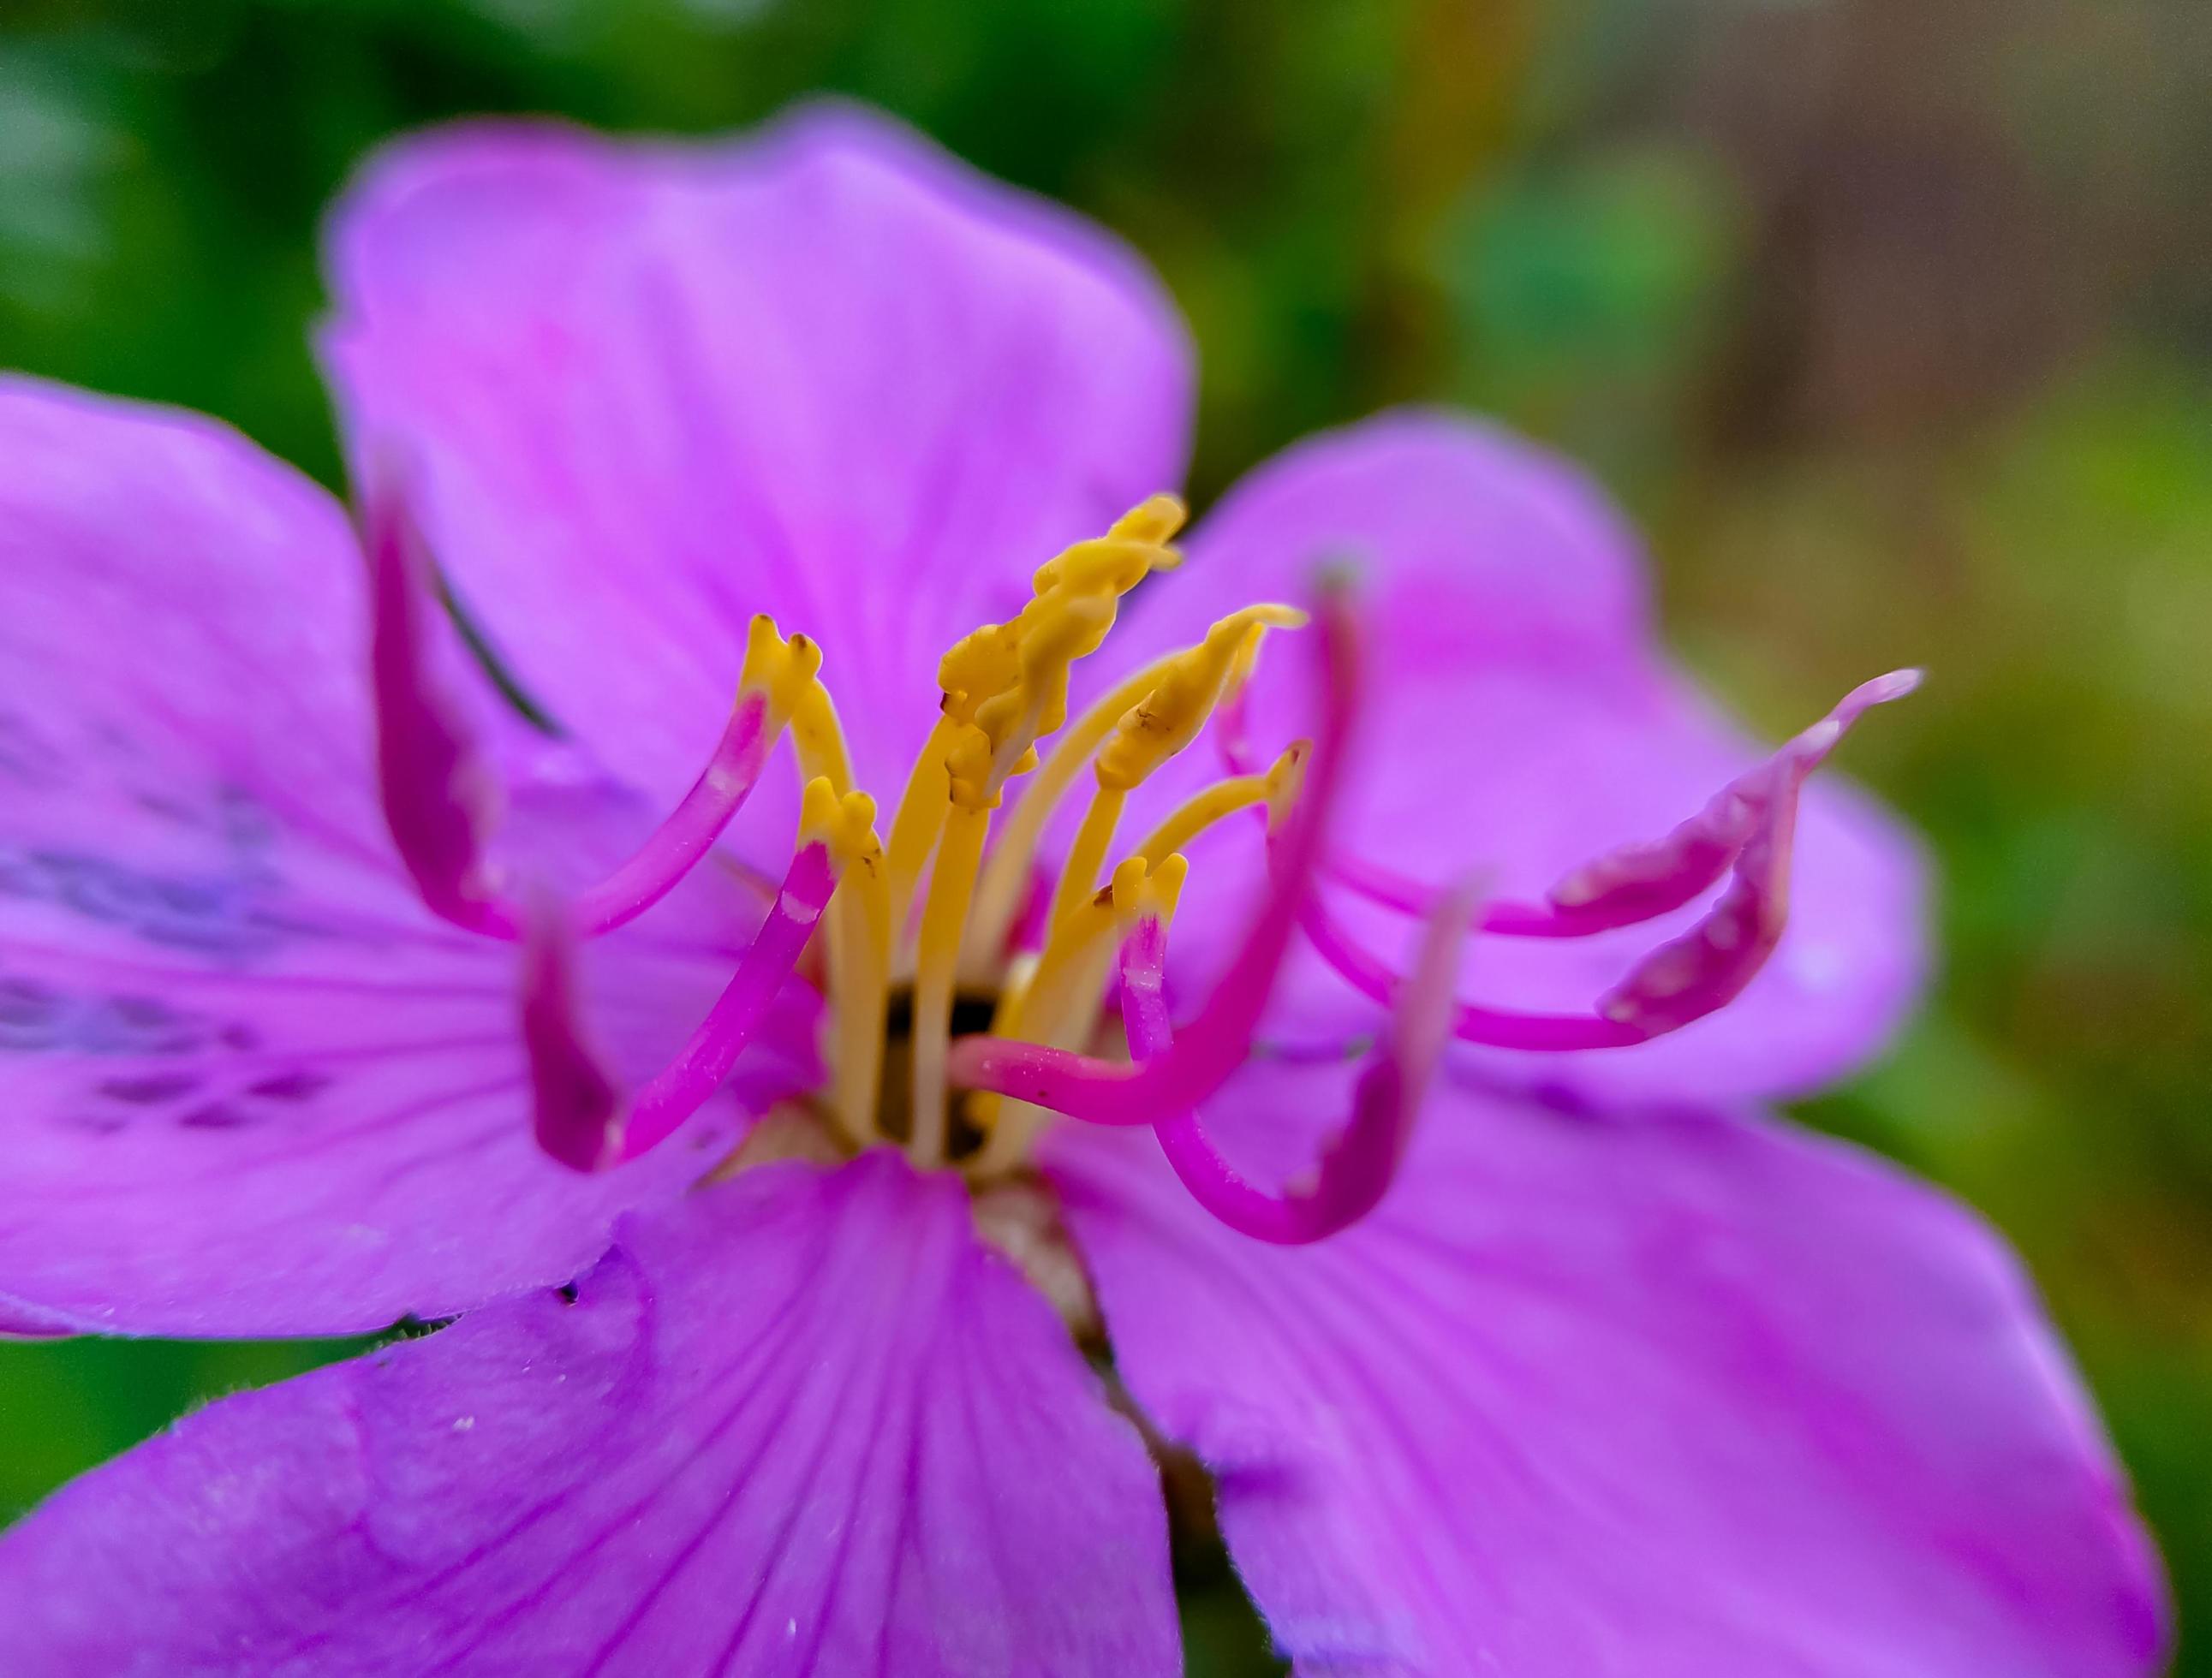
(1596,1370)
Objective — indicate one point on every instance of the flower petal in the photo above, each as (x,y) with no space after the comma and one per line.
(829,374)
(1523,725)
(254,1087)
(800,1423)
(1684,1396)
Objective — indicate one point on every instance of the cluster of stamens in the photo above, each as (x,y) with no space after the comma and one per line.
(951,902)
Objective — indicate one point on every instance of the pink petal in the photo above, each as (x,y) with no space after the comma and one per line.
(254,1087)
(1524,724)
(1679,1397)
(800,1423)
(828,373)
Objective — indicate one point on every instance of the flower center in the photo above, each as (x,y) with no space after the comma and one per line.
(951,902)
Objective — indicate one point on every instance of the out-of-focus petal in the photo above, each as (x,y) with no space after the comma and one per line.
(253,1087)
(828,373)
(1523,724)
(1679,1397)
(800,1423)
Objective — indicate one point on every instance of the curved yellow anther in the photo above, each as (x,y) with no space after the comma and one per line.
(981,664)
(1005,879)
(1286,779)
(967,761)
(1161,890)
(781,669)
(1167,719)
(1153,521)
(845,821)
(788,674)
(1010,680)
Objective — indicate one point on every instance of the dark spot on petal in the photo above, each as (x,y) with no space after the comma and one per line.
(212,914)
(299,1085)
(245,823)
(216,1115)
(135,1025)
(94,1122)
(31,1013)
(240,1036)
(166,806)
(150,1090)
(146,1011)
(567,1292)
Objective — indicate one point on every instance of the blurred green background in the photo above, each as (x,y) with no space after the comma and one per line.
(1890,320)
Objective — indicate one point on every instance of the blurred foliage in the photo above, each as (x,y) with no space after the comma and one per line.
(1891,321)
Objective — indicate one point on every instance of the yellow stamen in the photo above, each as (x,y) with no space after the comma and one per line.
(1157,728)
(921,814)
(1277,789)
(816,734)
(944,914)
(1195,816)
(1004,685)
(998,899)
(779,670)
(1286,779)
(859,951)
(1169,718)
(1188,685)
(1011,680)
(1087,855)
(1059,1007)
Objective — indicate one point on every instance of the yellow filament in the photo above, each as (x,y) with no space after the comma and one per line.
(816,735)
(858,951)
(921,814)
(1087,856)
(1286,779)
(1212,671)
(1195,816)
(998,899)
(944,914)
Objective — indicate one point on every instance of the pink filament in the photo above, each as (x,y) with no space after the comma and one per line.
(574,1100)
(581,1119)
(439,796)
(1641,881)
(1361,1159)
(1217,1041)
(1748,827)
(680,1089)
(679,844)
(1498,1028)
